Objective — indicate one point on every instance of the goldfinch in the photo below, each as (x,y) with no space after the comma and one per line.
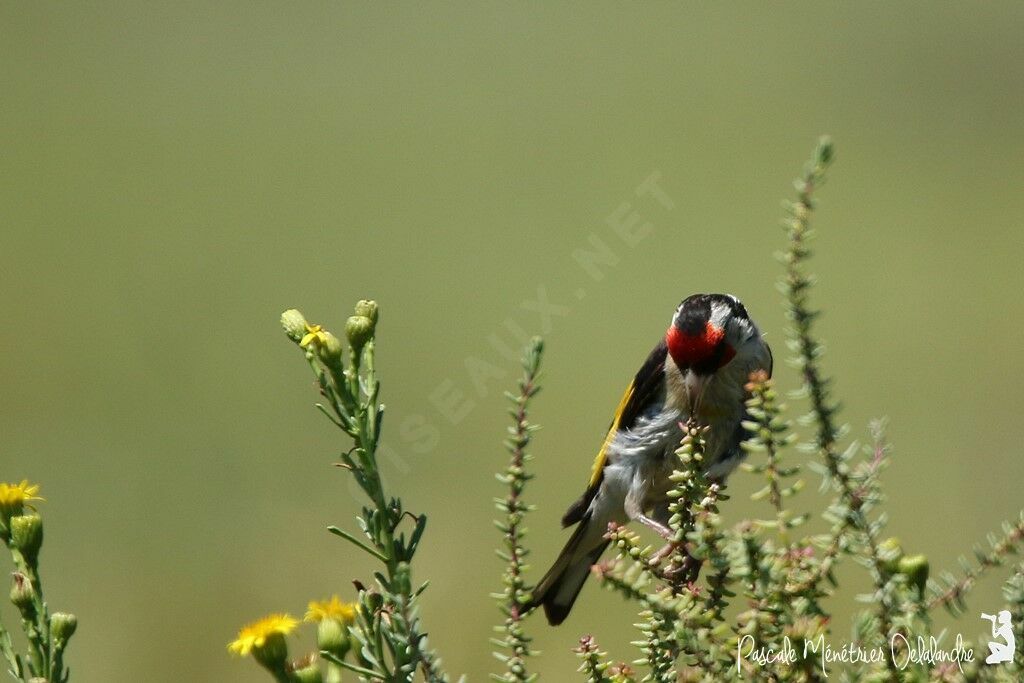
(698,369)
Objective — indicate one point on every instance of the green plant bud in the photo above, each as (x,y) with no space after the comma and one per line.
(294,324)
(63,625)
(359,330)
(402,579)
(374,601)
(891,551)
(915,568)
(330,348)
(307,671)
(332,636)
(273,653)
(368,309)
(22,593)
(825,150)
(27,536)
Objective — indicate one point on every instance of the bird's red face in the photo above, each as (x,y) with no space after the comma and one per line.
(702,349)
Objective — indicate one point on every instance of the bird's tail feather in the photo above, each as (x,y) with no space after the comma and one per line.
(557,591)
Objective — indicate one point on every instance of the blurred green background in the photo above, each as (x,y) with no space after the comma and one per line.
(174,176)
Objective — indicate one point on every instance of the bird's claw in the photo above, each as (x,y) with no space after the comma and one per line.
(666,550)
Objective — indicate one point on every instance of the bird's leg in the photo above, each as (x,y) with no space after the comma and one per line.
(662,515)
(662,530)
(635,511)
(683,568)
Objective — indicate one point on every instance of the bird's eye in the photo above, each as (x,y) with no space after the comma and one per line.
(726,354)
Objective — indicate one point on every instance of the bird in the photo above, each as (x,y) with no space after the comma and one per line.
(698,370)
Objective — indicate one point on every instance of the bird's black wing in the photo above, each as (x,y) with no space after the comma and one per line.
(646,387)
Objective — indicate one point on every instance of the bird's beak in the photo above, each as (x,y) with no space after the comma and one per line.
(696,385)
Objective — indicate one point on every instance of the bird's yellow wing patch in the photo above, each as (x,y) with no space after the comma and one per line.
(598,467)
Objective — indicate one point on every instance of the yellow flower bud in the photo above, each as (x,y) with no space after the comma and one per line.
(14,498)
(264,640)
(332,617)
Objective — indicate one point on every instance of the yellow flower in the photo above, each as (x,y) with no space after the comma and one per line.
(313,333)
(254,635)
(14,496)
(334,608)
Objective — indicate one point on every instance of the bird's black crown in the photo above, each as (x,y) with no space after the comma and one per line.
(694,312)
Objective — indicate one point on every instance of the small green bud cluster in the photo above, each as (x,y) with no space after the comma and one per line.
(326,353)
(324,345)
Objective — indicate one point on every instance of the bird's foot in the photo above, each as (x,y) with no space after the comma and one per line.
(681,568)
(659,556)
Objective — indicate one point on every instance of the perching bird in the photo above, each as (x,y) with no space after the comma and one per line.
(698,369)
